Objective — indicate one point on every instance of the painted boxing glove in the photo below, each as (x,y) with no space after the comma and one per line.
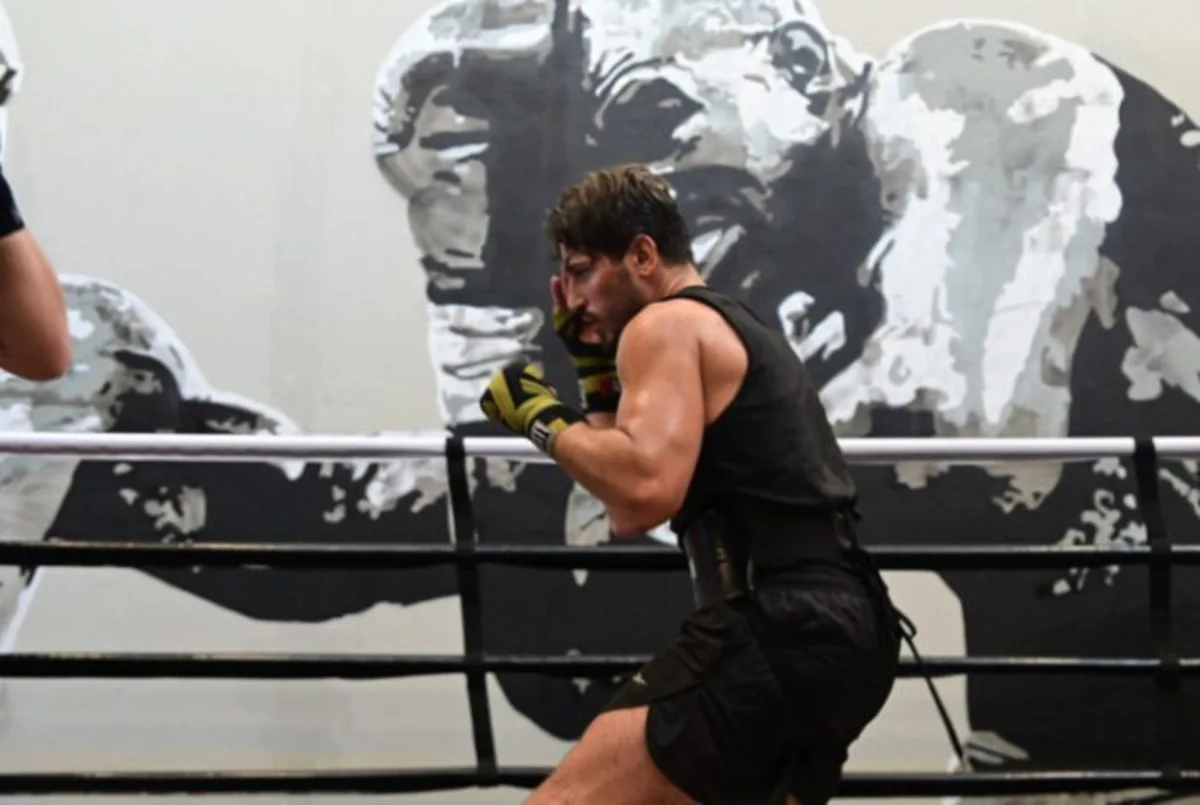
(519,398)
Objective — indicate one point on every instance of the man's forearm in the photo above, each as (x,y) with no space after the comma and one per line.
(619,520)
(622,520)
(606,462)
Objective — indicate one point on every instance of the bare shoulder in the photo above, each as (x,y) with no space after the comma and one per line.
(678,312)
(676,323)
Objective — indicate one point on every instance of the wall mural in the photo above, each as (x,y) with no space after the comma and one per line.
(987,231)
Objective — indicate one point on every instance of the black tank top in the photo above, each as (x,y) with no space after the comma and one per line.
(773,442)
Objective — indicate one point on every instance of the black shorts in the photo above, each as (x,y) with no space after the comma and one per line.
(724,727)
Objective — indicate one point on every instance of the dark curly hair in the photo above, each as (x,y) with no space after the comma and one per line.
(601,214)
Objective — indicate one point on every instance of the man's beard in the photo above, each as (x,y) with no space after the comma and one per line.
(631,304)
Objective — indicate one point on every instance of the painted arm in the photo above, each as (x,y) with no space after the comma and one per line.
(641,467)
(35,343)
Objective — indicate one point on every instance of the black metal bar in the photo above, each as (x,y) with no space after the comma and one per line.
(307,556)
(1168,676)
(340,556)
(1098,666)
(384,666)
(465,548)
(921,557)
(403,781)
(226,666)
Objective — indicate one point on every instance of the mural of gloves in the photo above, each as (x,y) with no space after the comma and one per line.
(1022,186)
(954,237)
(724,96)
(133,374)
(986,230)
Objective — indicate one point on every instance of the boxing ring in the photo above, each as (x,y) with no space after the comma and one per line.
(1159,554)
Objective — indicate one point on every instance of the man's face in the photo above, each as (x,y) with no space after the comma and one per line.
(603,291)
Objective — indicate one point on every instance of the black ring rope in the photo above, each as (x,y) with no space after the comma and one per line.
(466,554)
(465,546)
(1169,677)
(339,556)
(151,665)
(404,781)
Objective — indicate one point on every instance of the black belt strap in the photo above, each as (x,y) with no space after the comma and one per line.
(907,631)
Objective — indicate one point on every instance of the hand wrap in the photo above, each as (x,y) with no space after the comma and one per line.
(595,365)
(520,399)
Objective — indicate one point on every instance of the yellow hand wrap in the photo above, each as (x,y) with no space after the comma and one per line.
(521,400)
(595,364)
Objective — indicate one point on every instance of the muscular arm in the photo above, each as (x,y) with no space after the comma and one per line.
(603,420)
(641,466)
(34,341)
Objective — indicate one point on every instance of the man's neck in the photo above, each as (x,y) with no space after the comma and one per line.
(675,279)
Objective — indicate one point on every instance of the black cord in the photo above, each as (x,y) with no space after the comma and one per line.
(908,632)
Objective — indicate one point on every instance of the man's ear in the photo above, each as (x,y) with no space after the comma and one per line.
(643,253)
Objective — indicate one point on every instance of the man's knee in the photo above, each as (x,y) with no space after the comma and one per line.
(610,763)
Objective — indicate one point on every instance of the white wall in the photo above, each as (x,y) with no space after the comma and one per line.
(213,157)
(163,146)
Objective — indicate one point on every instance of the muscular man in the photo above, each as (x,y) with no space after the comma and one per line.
(705,417)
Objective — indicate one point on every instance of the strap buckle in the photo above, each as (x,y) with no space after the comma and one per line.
(718,570)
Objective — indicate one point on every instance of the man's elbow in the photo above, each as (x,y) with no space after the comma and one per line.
(52,365)
(40,363)
(647,506)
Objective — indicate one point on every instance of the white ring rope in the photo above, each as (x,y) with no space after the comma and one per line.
(254,448)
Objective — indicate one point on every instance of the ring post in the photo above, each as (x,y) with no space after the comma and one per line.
(1169,679)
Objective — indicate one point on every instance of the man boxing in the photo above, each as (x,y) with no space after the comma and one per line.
(698,412)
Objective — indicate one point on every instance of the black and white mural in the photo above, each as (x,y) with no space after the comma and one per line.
(984,231)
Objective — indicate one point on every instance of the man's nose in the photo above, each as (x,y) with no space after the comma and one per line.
(571,294)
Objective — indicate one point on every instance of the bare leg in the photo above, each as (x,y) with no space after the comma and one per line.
(609,765)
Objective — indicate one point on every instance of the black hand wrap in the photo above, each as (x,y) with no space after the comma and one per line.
(10,217)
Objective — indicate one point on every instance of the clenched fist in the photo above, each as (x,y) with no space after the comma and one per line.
(519,398)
